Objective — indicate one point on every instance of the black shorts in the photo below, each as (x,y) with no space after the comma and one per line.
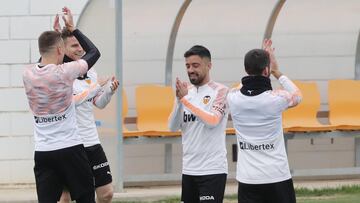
(68,167)
(99,165)
(280,192)
(207,188)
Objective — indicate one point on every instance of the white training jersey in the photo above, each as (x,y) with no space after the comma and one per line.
(87,93)
(260,139)
(49,92)
(202,115)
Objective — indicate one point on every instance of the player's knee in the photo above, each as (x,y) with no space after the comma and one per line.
(65,198)
(106,196)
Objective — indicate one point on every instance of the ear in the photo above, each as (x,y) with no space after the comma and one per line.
(209,65)
(58,50)
(266,71)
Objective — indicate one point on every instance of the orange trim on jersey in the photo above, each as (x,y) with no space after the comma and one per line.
(210,118)
(218,108)
(82,96)
(292,99)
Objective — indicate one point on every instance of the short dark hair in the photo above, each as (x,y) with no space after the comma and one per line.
(199,51)
(65,33)
(255,61)
(48,40)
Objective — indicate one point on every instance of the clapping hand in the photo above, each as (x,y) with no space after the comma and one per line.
(68,19)
(274,66)
(114,84)
(56,25)
(181,89)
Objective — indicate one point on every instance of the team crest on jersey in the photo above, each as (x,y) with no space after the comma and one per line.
(88,80)
(206,99)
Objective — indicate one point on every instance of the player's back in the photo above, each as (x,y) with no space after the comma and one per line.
(257,117)
(49,88)
(49,91)
(258,124)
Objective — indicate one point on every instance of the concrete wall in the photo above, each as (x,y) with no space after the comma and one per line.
(314,40)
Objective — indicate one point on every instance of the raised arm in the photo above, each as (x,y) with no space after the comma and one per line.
(103,97)
(92,53)
(210,118)
(87,94)
(213,117)
(174,122)
(292,93)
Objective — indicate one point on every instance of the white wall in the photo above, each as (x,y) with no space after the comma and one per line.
(225,27)
(21,23)
(316,40)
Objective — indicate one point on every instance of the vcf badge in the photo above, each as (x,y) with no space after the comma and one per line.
(206,99)
(88,80)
